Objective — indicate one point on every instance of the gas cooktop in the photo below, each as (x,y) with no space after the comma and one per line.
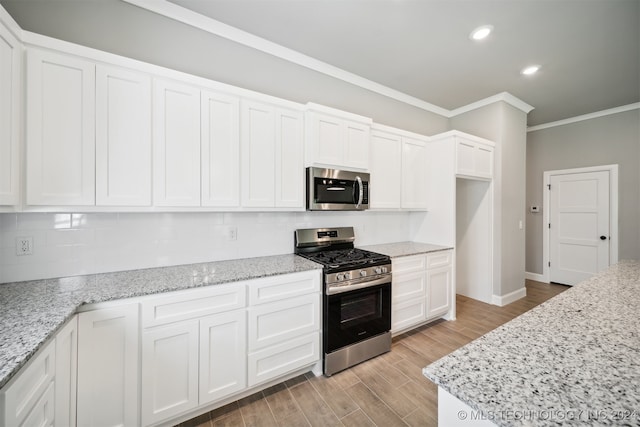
(346,258)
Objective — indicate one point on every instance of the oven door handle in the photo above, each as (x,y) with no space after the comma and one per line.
(360,285)
(360,192)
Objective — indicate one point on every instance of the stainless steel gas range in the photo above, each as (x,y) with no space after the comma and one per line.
(357,296)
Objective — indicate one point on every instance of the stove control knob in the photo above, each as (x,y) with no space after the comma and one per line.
(340,276)
(378,270)
(347,275)
(363,273)
(384,269)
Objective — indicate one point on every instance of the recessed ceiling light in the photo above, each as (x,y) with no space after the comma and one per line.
(481,32)
(531,69)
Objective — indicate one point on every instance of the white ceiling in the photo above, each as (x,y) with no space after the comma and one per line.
(589,50)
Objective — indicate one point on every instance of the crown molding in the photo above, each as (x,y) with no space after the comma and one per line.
(212,26)
(502,96)
(584,117)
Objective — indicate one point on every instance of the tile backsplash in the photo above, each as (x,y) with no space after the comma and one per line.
(75,244)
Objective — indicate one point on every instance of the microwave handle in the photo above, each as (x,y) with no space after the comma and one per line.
(360,191)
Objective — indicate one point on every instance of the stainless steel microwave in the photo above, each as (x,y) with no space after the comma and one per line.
(337,190)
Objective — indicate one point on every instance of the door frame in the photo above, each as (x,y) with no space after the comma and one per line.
(613,211)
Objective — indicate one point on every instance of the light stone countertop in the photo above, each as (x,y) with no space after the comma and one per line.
(573,360)
(401,249)
(32,312)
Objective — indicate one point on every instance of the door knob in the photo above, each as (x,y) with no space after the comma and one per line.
(603,237)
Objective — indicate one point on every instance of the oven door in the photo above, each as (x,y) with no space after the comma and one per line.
(354,316)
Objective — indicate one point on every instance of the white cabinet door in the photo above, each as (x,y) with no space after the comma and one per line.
(25,392)
(484,161)
(337,142)
(386,170)
(108,367)
(60,128)
(289,159)
(438,291)
(439,283)
(473,159)
(326,139)
(357,140)
(66,374)
(169,371)
(10,101)
(123,137)
(223,355)
(176,144)
(258,145)
(220,133)
(414,174)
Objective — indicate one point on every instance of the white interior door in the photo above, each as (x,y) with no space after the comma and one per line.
(579,226)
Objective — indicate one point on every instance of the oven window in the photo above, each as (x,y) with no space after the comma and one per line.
(334,190)
(360,309)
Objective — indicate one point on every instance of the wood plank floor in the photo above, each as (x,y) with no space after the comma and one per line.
(389,390)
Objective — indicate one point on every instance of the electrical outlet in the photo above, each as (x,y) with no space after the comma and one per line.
(24,246)
(232,233)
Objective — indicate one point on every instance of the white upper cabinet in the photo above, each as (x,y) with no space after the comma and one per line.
(414,173)
(289,163)
(10,101)
(123,137)
(386,170)
(337,139)
(399,164)
(272,151)
(220,149)
(176,144)
(60,130)
(258,154)
(474,158)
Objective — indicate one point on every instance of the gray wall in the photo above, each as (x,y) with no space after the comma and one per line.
(613,139)
(506,126)
(121,28)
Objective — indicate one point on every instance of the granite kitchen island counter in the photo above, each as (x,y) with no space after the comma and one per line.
(33,311)
(573,360)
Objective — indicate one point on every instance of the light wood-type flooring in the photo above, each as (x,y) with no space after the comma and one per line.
(388,390)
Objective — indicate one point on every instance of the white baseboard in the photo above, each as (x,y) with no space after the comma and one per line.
(509,298)
(535,276)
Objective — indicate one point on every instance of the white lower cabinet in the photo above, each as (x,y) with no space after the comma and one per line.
(31,391)
(223,349)
(283,335)
(169,371)
(204,345)
(422,289)
(43,393)
(108,358)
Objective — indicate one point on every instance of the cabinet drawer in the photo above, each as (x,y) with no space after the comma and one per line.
(24,393)
(192,303)
(407,314)
(408,263)
(408,286)
(280,359)
(284,286)
(276,322)
(43,411)
(439,259)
